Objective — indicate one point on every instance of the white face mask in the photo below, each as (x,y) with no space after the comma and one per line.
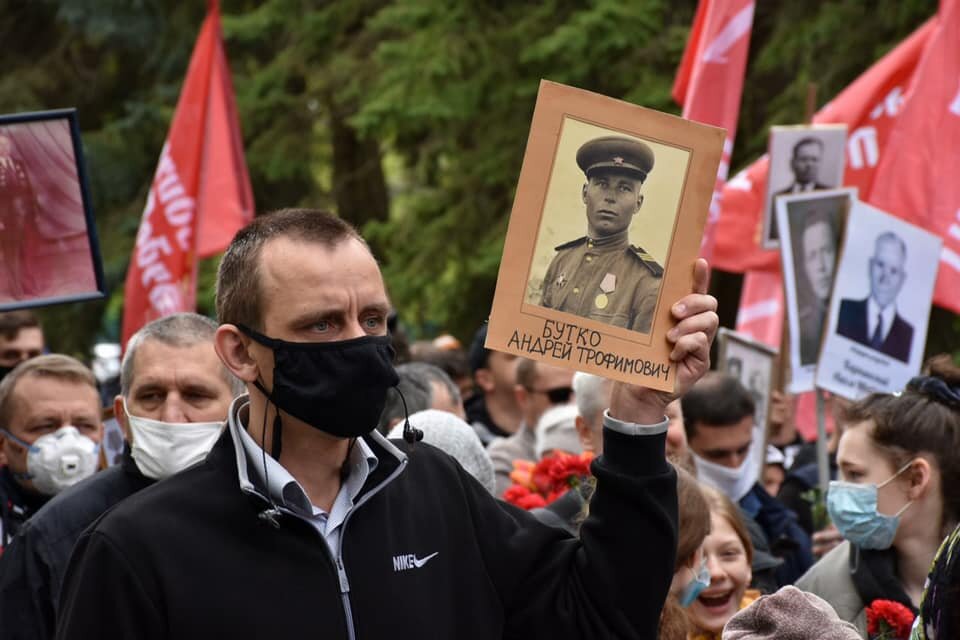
(162,449)
(733,483)
(59,460)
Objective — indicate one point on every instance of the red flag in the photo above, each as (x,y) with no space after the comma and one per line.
(869,107)
(917,176)
(200,195)
(761,307)
(709,82)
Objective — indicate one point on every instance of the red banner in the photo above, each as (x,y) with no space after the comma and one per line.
(869,107)
(917,178)
(709,82)
(200,195)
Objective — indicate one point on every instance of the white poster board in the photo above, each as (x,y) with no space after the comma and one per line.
(881,305)
(753,364)
(811,225)
(803,158)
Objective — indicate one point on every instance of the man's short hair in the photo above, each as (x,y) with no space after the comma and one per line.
(176,330)
(478,355)
(718,400)
(239,295)
(527,373)
(453,362)
(11,322)
(807,140)
(592,395)
(54,365)
(890,236)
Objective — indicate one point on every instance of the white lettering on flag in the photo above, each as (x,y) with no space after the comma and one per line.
(758,311)
(950,258)
(738,27)
(862,148)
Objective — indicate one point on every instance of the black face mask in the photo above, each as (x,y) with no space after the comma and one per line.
(336,387)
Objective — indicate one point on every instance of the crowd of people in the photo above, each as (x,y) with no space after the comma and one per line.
(299,467)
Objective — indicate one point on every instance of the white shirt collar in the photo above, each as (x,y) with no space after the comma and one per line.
(887,313)
(283,487)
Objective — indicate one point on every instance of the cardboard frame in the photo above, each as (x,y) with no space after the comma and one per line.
(49,251)
(849,365)
(675,205)
(766,360)
(806,310)
(781,176)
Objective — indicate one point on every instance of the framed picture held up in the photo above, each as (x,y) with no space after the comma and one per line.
(49,252)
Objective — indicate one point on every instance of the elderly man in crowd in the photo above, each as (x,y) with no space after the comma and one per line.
(422,386)
(50,432)
(174,398)
(304,520)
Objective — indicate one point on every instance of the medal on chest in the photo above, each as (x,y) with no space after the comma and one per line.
(607,287)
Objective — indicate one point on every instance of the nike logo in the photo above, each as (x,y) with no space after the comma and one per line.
(410,561)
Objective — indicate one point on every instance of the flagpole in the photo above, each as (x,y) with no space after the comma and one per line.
(823,458)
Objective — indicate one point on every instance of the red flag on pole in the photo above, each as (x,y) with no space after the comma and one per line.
(869,107)
(760,315)
(709,82)
(917,178)
(200,195)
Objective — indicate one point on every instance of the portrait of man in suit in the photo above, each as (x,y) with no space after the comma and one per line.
(874,321)
(805,165)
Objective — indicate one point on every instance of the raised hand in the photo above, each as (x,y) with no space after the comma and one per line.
(697,322)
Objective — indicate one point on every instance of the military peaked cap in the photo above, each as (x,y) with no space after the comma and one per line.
(614,152)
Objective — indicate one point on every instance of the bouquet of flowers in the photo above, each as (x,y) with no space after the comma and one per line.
(538,484)
(888,620)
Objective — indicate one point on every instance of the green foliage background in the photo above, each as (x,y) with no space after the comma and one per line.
(407,117)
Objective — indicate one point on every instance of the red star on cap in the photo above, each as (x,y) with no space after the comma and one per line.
(618,161)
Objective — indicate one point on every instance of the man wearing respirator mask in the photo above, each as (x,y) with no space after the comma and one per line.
(50,433)
(174,398)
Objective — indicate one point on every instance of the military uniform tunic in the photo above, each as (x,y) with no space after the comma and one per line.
(606,279)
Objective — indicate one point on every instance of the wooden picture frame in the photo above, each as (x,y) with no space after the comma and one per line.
(49,252)
(638,180)
(758,368)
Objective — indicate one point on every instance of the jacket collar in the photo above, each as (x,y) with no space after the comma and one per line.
(228,454)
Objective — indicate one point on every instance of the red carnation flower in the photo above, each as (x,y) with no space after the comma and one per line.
(531,501)
(889,620)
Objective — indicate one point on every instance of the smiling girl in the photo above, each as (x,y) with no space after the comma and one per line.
(728,553)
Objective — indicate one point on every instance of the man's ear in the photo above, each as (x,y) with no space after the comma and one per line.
(484,379)
(583,433)
(233,349)
(121,415)
(639,202)
(583,192)
(522,395)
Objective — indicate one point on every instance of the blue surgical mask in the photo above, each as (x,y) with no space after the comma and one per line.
(701,580)
(853,509)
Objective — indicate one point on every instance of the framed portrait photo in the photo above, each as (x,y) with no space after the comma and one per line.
(802,159)
(48,242)
(811,226)
(877,326)
(605,229)
(753,363)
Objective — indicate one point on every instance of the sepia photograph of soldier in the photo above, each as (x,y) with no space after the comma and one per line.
(601,275)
